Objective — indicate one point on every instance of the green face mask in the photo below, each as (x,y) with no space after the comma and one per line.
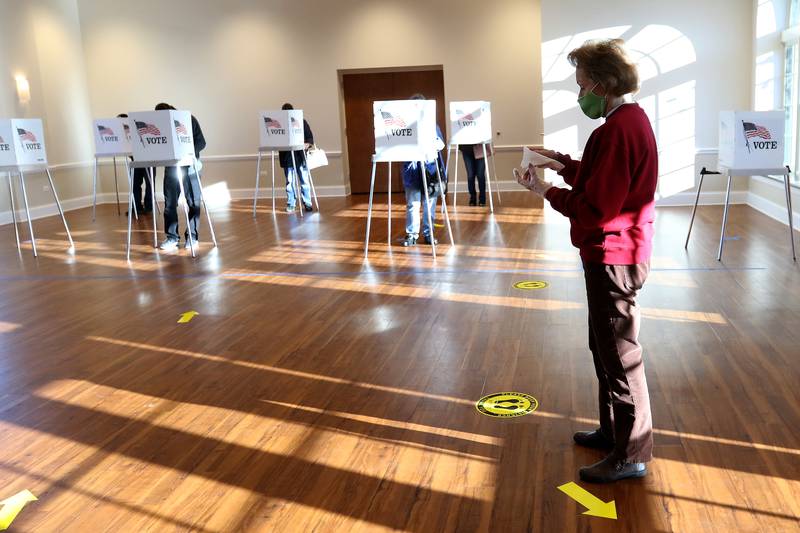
(593,106)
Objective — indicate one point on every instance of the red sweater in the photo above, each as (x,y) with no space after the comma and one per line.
(611,206)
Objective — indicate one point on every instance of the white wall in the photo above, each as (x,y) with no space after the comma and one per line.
(694,60)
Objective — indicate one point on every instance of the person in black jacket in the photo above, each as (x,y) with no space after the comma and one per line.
(191,189)
(139,179)
(285,158)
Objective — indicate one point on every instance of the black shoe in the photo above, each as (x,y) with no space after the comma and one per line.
(410,240)
(593,439)
(482,201)
(612,469)
(472,201)
(427,239)
(308,207)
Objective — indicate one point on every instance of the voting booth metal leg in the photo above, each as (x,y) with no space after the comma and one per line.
(455,178)
(130,206)
(272,156)
(369,211)
(94,191)
(494,171)
(725,216)
(488,178)
(298,194)
(205,206)
(425,207)
(258,180)
(60,210)
(27,212)
(789,209)
(185,209)
(313,190)
(446,173)
(444,205)
(14,211)
(694,210)
(132,209)
(116,185)
(150,176)
(389,217)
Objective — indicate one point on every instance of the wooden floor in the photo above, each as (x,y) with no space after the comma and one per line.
(318,392)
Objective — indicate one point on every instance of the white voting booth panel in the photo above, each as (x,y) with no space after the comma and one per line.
(751,139)
(751,143)
(22,144)
(111,137)
(470,122)
(405,131)
(282,130)
(162,138)
(22,149)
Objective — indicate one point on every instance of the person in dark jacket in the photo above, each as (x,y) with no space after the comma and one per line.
(140,178)
(191,189)
(611,208)
(285,158)
(413,185)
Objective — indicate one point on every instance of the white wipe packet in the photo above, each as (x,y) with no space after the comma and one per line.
(529,157)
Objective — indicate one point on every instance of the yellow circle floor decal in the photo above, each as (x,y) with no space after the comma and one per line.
(530,285)
(507,404)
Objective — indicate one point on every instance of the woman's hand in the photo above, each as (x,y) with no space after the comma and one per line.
(531,181)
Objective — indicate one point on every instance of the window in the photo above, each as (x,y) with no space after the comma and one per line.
(791,93)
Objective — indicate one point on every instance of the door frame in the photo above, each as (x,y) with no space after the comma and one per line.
(340,73)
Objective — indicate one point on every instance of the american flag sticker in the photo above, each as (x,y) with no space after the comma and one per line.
(2,141)
(147,129)
(104,131)
(752,130)
(391,121)
(25,135)
(271,123)
(180,128)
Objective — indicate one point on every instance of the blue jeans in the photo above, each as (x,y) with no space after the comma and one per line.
(305,190)
(414,199)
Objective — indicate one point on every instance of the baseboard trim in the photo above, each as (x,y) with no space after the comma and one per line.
(773,210)
(706,198)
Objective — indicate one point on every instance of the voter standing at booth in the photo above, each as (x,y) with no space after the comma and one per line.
(611,208)
(191,189)
(476,170)
(285,157)
(412,183)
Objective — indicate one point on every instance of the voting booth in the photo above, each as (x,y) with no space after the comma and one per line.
(112,139)
(282,130)
(164,139)
(405,131)
(22,149)
(751,143)
(471,123)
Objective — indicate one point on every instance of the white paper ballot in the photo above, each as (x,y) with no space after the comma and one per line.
(529,157)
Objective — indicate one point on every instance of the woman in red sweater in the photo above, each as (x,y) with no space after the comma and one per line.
(611,208)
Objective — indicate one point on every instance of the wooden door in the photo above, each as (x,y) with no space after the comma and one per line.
(360,90)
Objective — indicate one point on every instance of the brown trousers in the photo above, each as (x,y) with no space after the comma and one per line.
(613,339)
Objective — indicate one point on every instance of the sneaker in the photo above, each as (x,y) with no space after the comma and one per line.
(290,209)
(187,246)
(169,245)
(308,208)
(410,240)
(427,239)
(611,469)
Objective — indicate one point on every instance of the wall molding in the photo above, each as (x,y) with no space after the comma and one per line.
(776,211)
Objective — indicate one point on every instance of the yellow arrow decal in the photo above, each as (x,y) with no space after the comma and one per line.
(12,507)
(187,317)
(595,506)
